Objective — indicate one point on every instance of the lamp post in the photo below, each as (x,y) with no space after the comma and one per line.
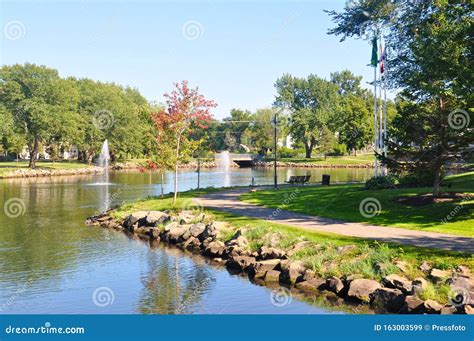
(275,178)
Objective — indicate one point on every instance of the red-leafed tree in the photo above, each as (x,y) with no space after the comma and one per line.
(186,111)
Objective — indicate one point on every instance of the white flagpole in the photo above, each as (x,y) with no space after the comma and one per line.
(376,142)
(385,117)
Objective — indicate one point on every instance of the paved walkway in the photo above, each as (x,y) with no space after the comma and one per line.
(228,201)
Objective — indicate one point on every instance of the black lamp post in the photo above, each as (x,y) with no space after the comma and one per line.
(275,178)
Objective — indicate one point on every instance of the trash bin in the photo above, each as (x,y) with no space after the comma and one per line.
(326,179)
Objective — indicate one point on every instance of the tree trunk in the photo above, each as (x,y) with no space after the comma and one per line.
(162,183)
(437,182)
(34,154)
(176,171)
(355,152)
(308,149)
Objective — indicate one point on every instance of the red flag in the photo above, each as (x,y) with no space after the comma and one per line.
(381,60)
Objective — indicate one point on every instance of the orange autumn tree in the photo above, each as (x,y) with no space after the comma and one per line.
(186,111)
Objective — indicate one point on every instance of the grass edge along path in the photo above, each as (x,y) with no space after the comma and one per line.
(345,203)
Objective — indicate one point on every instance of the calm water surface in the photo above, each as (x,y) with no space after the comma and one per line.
(50,262)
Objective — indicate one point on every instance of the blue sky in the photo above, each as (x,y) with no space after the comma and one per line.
(240,49)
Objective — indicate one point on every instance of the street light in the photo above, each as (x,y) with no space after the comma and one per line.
(275,179)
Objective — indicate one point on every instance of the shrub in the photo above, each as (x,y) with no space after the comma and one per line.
(417,180)
(285,152)
(381,182)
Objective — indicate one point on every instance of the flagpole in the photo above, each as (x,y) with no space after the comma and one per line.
(375,122)
(381,141)
(385,118)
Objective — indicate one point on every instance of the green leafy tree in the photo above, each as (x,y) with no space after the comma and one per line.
(312,103)
(430,62)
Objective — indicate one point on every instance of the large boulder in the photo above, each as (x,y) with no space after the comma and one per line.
(439,275)
(312,284)
(271,253)
(259,269)
(175,235)
(194,230)
(414,305)
(215,249)
(335,285)
(419,284)
(432,307)
(238,240)
(192,244)
(391,300)
(293,271)
(240,263)
(397,282)
(131,221)
(154,218)
(272,276)
(360,289)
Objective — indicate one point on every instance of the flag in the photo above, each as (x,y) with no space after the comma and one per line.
(374,59)
(381,60)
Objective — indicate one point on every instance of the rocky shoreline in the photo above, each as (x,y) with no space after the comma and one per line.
(270,266)
(45,172)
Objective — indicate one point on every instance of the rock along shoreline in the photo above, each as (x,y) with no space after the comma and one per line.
(269,266)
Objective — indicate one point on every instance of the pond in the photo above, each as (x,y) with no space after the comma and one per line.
(52,263)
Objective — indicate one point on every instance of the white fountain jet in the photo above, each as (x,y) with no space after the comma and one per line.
(104,159)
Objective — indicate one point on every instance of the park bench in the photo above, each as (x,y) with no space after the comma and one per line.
(298,179)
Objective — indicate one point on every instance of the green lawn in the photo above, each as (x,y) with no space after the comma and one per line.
(342,202)
(6,167)
(334,160)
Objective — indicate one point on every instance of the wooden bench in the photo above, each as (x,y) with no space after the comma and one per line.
(298,179)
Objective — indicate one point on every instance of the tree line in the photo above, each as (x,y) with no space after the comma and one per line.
(38,109)
(43,111)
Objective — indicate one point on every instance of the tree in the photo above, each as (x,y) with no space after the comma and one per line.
(430,61)
(186,110)
(235,127)
(262,130)
(312,103)
(36,97)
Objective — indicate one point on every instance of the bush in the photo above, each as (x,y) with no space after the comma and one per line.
(425,179)
(285,152)
(338,150)
(381,182)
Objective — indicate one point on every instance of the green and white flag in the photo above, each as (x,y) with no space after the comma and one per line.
(375,59)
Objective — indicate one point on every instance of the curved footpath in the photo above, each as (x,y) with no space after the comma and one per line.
(228,201)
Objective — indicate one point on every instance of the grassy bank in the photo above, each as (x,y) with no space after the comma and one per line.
(326,254)
(6,167)
(342,202)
